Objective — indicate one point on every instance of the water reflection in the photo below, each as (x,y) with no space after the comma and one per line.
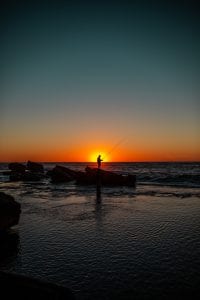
(98,194)
(98,207)
(9,248)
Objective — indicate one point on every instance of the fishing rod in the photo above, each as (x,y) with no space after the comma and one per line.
(114,147)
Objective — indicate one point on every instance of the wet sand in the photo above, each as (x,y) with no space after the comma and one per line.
(116,245)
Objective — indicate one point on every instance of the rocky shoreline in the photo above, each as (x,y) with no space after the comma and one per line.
(33,171)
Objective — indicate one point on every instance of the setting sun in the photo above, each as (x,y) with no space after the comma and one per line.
(93,156)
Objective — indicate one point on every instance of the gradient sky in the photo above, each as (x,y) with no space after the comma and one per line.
(80,78)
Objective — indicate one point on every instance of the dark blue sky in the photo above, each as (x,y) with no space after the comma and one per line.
(100,71)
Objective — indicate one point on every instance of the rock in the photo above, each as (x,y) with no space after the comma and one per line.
(99,176)
(86,178)
(17,167)
(24,287)
(91,176)
(35,167)
(18,171)
(9,211)
(62,174)
(9,246)
(70,172)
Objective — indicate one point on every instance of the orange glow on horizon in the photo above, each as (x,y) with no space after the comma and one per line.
(89,153)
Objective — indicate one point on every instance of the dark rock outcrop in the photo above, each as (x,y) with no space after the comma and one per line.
(9,211)
(62,174)
(35,167)
(9,247)
(91,176)
(23,287)
(19,172)
(99,176)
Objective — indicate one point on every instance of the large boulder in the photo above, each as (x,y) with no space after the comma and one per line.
(91,176)
(35,167)
(102,177)
(9,246)
(9,211)
(86,178)
(62,174)
(58,174)
(19,172)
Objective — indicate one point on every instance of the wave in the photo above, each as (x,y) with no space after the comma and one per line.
(182,180)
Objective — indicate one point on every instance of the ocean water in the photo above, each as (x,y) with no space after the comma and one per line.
(127,243)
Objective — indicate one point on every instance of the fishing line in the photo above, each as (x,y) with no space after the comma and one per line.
(114,147)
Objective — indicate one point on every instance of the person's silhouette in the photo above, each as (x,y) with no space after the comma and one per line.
(99,160)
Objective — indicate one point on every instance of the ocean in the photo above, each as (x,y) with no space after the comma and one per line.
(128,243)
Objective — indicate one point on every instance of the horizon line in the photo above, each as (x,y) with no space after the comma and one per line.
(90,162)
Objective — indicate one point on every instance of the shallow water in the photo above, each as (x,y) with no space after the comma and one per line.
(125,243)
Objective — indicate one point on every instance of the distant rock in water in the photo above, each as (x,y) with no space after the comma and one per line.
(9,211)
(35,167)
(31,172)
(62,174)
(23,287)
(17,167)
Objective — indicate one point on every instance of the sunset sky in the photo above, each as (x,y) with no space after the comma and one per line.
(117,78)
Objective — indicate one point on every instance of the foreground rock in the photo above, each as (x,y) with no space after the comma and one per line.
(35,167)
(15,286)
(9,211)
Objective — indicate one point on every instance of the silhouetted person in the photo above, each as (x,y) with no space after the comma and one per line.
(99,160)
